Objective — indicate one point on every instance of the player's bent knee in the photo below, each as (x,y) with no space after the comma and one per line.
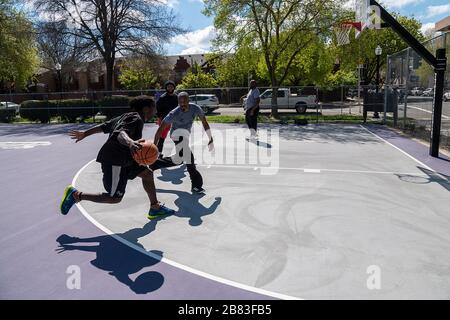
(147,174)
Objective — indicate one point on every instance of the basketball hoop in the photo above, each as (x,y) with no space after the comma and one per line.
(342,31)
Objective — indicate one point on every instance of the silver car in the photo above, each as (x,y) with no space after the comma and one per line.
(10,105)
(208,102)
(447,96)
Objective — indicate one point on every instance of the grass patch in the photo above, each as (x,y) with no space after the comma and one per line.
(291,119)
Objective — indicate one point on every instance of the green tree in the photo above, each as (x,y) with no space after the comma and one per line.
(281,29)
(425,73)
(18,54)
(137,74)
(313,66)
(362,50)
(197,78)
(235,69)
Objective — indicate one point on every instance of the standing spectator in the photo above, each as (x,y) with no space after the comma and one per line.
(166,103)
(252,109)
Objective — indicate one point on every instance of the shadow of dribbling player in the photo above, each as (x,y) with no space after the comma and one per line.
(189,206)
(174,176)
(119,259)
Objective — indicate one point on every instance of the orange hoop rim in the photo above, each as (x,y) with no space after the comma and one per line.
(350,24)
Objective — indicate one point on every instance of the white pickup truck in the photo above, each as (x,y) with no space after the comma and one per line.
(287,100)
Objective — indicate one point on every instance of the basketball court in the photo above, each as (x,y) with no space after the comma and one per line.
(309,231)
(343,198)
(340,211)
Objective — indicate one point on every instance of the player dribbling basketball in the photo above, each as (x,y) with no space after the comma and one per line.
(115,156)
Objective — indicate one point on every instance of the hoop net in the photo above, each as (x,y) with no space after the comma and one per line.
(342,31)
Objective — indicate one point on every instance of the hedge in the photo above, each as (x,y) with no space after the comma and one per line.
(41,110)
(114,106)
(7,114)
(71,109)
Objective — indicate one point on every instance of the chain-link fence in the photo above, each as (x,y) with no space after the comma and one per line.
(98,105)
(315,104)
(413,79)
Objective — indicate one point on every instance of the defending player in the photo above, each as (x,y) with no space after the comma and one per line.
(181,119)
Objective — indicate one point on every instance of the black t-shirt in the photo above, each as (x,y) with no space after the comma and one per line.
(113,152)
(165,104)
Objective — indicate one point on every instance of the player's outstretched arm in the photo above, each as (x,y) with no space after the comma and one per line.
(161,128)
(80,135)
(208,132)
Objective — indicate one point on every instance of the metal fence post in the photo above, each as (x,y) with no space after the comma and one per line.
(437,101)
(405,102)
(386,87)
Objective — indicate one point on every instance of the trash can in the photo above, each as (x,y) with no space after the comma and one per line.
(374,101)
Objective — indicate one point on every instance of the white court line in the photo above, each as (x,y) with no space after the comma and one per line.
(405,153)
(171,262)
(23,144)
(312,170)
(428,111)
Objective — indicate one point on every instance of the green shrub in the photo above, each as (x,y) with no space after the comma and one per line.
(114,106)
(71,109)
(7,114)
(41,110)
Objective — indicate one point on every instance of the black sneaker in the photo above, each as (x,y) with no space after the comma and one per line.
(197,190)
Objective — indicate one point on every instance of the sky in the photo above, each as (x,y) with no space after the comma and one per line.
(202,31)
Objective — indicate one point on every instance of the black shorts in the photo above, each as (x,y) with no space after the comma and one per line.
(115,178)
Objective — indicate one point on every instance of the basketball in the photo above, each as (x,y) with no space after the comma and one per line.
(147,155)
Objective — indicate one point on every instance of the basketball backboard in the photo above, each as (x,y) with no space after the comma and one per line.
(362,15)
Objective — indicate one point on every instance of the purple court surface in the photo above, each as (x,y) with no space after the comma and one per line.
(118,253)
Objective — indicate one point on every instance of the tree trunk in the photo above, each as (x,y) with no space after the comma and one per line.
(274,102)
(109,75)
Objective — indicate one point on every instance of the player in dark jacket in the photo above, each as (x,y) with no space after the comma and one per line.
(166,103)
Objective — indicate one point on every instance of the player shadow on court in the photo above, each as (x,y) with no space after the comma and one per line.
(430,177)
(120,260)
(189,206)
(173,176)
(261,144)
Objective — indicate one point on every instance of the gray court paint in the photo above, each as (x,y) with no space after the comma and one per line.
(316,237)
(32,269)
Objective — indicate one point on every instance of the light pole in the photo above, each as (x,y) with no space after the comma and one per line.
(58,71)
(378,52)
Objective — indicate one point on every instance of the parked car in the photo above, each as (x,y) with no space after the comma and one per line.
(287,100)
(428,92)
(208,102)
(417,91)
(447,96)
(8,111)
(8,105)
